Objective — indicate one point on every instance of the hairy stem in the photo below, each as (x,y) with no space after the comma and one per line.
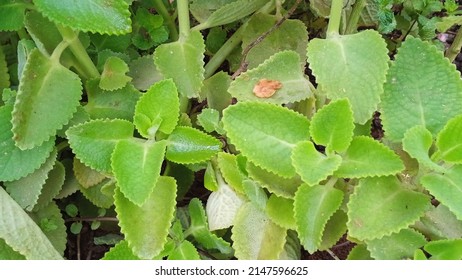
(162,10)
(183,17)
(334,18)
(455,47)
(352,24)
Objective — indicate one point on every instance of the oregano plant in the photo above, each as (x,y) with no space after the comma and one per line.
(195,129)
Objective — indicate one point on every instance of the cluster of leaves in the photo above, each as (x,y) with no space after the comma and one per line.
(103,103)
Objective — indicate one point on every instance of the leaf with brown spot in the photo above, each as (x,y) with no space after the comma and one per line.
(266,88)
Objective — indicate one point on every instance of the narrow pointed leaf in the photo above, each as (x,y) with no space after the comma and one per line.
(313,166)
(367,157)
(284,69)
(447,188)
(47,98)
(93,142)
(146,228)
(353,67)
(158,109)
(136,166)
(255,236)
(394,208)
(332,126)
(183,62)
(100,16)
(448,141)
(422,88)
(266,134)
(313,207)
(31,243)
(14,162)
(417,142)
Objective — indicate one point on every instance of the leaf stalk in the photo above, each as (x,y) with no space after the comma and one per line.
(334,18)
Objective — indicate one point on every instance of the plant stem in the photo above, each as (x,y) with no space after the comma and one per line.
(78,50)
(224,51)
(454,49)
(358,7)
(95,219)
(162,10)
(334,18)
(183,17)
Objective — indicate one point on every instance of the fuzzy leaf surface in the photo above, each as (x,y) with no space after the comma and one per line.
(229,167)
(366,157)
(114,74)
(311,165)
(445,249)
(215,90)
(281,211)
(93,142)
(283,67)
(351,66)
(42,106)
(184,251)
(332,126)
(448,141)
(146,227)
(52,186)
(189,145)
(101,194)
(12,15)
(422,88)
(255,236)
(397,246)
(313,206)
(447,188)
(440,223)
(14,162)
(394,208)
(158,109)
(32,242)
(266,134)
(120,251)
(183,62)
(417,142)
(136,166)
(86,176)
(96,16)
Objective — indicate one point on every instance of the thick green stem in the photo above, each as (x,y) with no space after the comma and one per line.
(334,18)
(183,17)
(162,10)
(224,51)
(455,47)
(354,16)
(79,51)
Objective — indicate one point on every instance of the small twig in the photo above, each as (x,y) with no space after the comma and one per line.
(244,64)
(101,219)
(342,244)
(333,255)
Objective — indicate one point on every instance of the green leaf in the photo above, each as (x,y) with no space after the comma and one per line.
(279,80)
(210,180)
(255,193)
(143,72)
(222,207)
(120,251)
(189,145)
(231,12)
(102,194)
(158,109)
(332,126)
(351,66)
(4,76)
(116,104)
(394,208)
(42,106)
(114,74)
(448,141)
(32,242)
(14,162)
(136,166)
(284,187)
(183,62)
(52,186)
(86,176)
(313,166)
(183,175)
(290,35)
(281,211)
(27,190)
(45,35)
(50,220)
(445,249)
(367,157)
(229,167)
(397,246)
(359,252)
(184,251)
(215,90)
(202,9)
(12,15)
(7,253)
(447,188)
(292,248)
(255,236)
(447,22)
(209,119)
(440,223)
(114,43)
(334,230)
(93,142)
(422,88)
(417,142)
(200,229)
(266,134)
(313,206)
(97,16)
(146,228)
